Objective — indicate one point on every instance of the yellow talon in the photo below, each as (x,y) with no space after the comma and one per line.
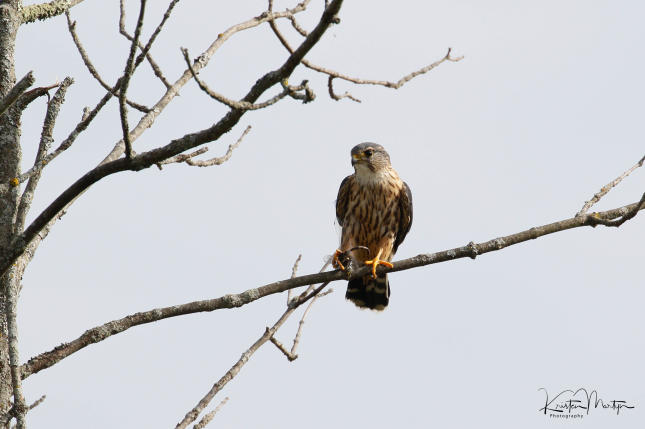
(336,261)
(376,262)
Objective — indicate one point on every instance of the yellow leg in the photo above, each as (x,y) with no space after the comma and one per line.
(336,261)
(376,262)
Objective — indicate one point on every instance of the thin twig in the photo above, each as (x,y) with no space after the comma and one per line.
(608,187)
(291,354)
(336,97)
(359,81)
(208,417)
(297,27)
(71,26)
(245,105)
(182,157)
(6,417)
(188,157)
(153,64)
(127,75)
(221,159)
(294,271)
(470,250)
(192,415)
(301,323)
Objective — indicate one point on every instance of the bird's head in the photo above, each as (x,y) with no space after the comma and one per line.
(370,159)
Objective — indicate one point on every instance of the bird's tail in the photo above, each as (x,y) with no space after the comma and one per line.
(369,292)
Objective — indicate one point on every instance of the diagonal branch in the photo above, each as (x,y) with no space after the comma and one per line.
(471,250)
(608,187)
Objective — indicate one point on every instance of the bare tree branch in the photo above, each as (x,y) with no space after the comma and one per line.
(388,84)
(43,11)
(71,26)
(334,96)
(125,81)
(287,90)
(608,187)
(219,160)
(182,157)
(291,354)
(153,64)
(358,81)
(294,271)
(53,107)
(15,92)
(471,250)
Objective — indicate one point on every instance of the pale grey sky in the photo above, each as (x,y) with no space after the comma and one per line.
(546,108)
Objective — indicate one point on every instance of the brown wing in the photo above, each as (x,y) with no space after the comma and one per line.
(405,221)
(343,198)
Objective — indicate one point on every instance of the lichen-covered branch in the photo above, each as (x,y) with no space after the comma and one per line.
(42,11)
(53,107)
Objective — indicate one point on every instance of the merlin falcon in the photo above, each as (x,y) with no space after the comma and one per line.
(374,208)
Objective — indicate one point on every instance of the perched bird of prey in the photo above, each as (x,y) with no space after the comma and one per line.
(374,208)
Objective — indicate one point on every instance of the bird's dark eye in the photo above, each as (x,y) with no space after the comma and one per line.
(369,152)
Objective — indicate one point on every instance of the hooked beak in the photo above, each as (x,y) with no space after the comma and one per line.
(356,158)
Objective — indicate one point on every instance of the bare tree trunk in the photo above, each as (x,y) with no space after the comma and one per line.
(9,168)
